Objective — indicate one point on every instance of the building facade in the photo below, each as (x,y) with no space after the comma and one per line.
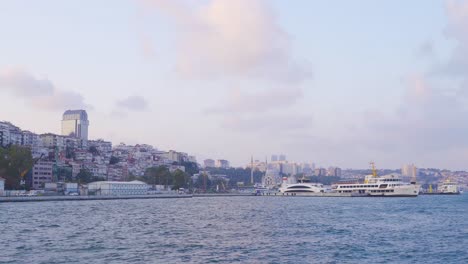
(222,164)
(409,170)
(75,123)
(42,173)
(112,188)
(209,163)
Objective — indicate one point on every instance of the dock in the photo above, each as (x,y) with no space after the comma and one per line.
(88,198)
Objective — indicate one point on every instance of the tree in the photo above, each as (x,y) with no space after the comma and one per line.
(191,168)
(94,150)
(85,176)
(157,176)
(64,173)
(114,160)
(201,181)
(14,161)
(180,179)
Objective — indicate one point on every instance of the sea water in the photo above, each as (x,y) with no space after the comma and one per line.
(426,229)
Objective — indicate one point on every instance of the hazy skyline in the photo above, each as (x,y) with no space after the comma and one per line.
(331,82)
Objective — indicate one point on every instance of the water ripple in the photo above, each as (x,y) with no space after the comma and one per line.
(426,229)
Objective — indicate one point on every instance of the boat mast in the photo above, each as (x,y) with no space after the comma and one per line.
(374,171)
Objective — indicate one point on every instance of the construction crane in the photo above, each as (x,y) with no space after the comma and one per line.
(24,172)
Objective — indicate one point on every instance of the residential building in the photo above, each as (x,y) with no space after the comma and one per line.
(117,173)
(409,170)
(320,172)
(101,145)
(42,173)
(75,124)
(50,140)
(9,134)
(258,165)
(209,163)
(334,171)
(220,163)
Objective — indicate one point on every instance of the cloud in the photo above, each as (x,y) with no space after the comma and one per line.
(240,101)
(272,124)
(427,120)
(426,49)
(39,93)
(133,103)
(61,100)
(457,29)
(147,46)
(21,83)
(225,37)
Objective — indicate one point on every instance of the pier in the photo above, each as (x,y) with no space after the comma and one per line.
(89,198)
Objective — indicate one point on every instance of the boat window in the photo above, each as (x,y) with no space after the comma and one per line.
(299,187)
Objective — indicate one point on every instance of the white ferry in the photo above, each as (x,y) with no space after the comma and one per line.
(373,185)
(448,187)
(302,188)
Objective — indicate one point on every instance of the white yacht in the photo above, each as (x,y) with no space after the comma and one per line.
(302,188)
(373,185)
(448,187)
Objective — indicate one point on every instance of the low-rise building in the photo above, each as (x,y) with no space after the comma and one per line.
(113,188)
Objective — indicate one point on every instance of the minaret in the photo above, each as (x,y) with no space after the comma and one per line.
(251,170)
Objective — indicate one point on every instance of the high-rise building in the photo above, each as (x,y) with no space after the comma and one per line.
(75,124)
(282,157)
(409,170)
(209,163)
(274,158)
(222,164)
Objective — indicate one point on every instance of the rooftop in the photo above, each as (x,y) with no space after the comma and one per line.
(75,114)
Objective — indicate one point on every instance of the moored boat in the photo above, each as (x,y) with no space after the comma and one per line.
(389,185)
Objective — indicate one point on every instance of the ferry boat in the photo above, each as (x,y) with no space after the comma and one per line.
(389,185)
(448,187)
(302,188)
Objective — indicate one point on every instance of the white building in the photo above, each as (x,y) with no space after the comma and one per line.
(113,188)
(75,124)
(409,170)
(51,141)
(222,164)
(209,163)
(101,145)
(42,173)
(10,134)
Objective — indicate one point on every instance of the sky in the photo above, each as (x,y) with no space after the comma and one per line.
(333,82)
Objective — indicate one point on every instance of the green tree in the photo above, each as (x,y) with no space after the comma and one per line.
(15,161)
(157,176)
(180,179)
(85,176)
(94,150)
(191,168)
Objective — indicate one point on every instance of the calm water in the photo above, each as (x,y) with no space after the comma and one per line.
(427,229)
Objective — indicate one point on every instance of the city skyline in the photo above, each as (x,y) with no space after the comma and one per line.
(230,79)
